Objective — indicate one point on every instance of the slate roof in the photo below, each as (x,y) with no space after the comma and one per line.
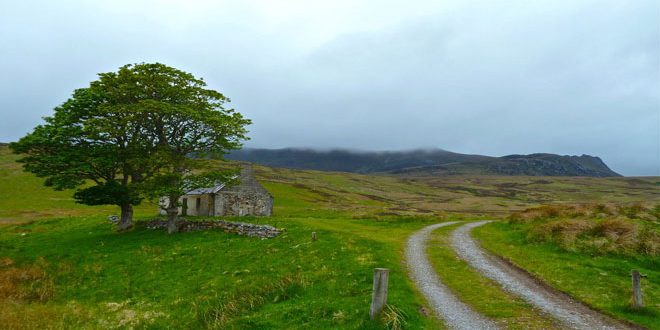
(209,190)
(248,184)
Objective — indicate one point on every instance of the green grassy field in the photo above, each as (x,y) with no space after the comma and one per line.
(94,277)
(62,265)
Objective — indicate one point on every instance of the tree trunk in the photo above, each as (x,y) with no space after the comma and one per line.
(172,215)
(126,220)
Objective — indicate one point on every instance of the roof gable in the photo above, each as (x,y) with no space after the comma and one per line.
(248,184)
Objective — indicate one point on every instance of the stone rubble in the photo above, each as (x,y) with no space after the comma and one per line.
(240,228)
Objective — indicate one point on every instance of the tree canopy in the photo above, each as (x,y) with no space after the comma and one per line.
(132,133)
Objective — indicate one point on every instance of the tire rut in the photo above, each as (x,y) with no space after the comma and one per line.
(455,313)
(571,313)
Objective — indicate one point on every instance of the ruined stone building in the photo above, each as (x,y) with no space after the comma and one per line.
(248,197)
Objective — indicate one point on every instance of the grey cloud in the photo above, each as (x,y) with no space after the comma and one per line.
(477,77)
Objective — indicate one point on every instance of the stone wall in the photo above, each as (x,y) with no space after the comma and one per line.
(241,203)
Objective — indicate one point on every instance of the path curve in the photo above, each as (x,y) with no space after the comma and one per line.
(565,309)
(445,304)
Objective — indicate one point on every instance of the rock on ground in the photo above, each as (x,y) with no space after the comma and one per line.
(240,228)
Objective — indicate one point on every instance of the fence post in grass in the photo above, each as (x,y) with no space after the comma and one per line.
(379,295)
(638,301)
(313,236)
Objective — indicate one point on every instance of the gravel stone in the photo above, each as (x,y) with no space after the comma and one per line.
(456,314)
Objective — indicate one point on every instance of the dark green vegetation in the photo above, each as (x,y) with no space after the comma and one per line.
(427,162)
(587,253)
(62,263)
(129,135)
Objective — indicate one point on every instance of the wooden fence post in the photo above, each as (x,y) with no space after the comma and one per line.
(638,300)
(379,295)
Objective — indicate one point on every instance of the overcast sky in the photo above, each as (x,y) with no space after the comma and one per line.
(485,77)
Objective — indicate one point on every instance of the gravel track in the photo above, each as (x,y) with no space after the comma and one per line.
(560,306)
(455,313)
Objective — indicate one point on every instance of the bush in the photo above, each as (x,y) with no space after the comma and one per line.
(631,211)
(563,232)
(594,228)
(614,236)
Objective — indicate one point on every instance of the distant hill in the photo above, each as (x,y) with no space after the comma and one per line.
(426,162)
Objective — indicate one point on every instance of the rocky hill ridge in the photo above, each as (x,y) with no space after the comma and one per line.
(427,162)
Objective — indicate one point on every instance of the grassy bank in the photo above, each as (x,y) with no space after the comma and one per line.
(600,280)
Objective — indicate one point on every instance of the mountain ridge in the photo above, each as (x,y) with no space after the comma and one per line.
(426,162)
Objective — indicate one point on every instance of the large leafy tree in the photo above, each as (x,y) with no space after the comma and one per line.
(131,134)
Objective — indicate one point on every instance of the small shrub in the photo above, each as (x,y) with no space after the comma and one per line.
(563,232)
(649,241)
(632,211)
(562,211)
(616,229)
(542,212)
(338,316)
(616,236)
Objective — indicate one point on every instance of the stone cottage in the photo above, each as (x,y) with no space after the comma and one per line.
(248,197)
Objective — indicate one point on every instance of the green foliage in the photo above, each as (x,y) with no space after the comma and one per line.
(142,121)
(107,193)
(24,198)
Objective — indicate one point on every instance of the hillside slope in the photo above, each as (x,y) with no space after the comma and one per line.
(427,162)
(62,265)
(23,196)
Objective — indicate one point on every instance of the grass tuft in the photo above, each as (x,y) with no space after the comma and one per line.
(598,229)
(394,318)
(25,283)
(218,315)
(639,211)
